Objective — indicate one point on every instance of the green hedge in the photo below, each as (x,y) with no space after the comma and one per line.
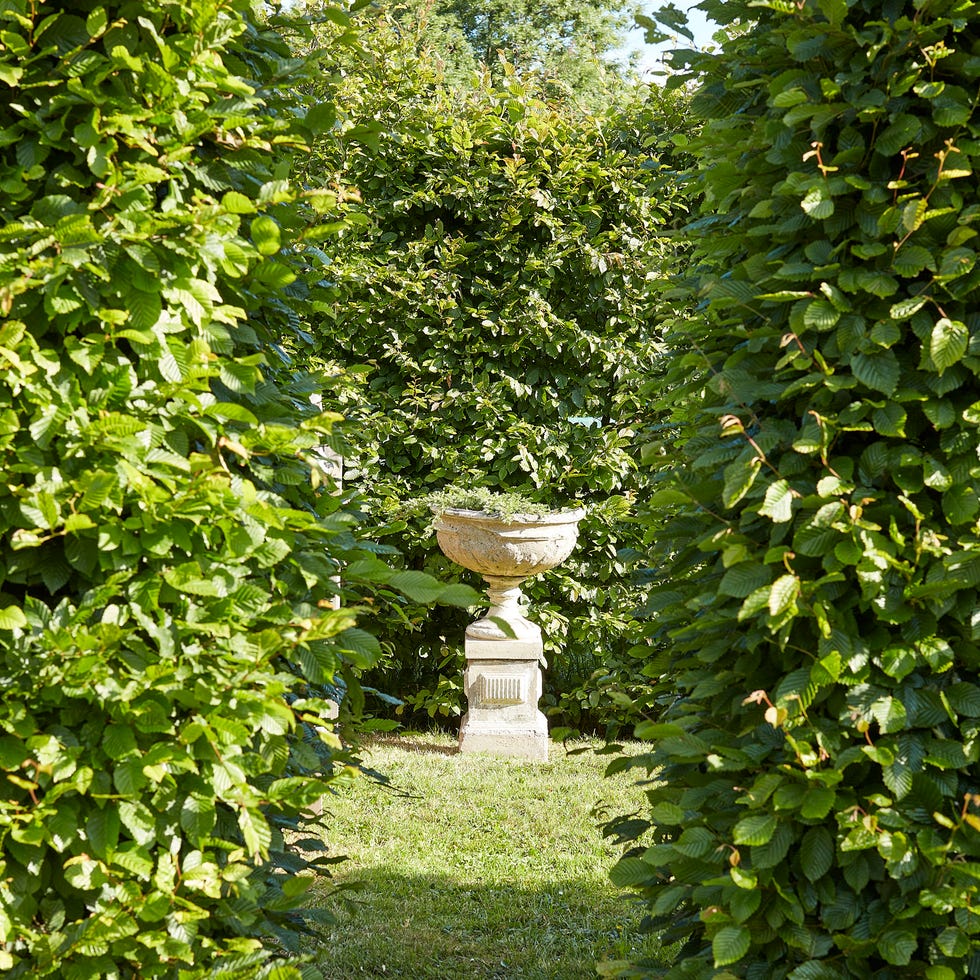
(165,557)
(816,814)
(496,320)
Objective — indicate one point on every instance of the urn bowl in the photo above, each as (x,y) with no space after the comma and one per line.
(509,547)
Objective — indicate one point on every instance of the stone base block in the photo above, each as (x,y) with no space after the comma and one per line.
(531,744)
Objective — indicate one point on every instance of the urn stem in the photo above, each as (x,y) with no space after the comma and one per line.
(505,596)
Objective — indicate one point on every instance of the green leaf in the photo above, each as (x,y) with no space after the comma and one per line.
(730,944)
(948,343)
(630,873)
(817,803)
(817,537)
(902,133)
(744,578)
(778,503)
(898,944)
(118,741)
(102,830)
(754,603)
(139,820)
(359,647)
(457,594)
(11,75)
(821,315)
(321,118)
(815,969)
(84,873)
(816,852)
(879,372)
(198,815)
(898,779)
(818,204)
(890,420)
(418,586)
(240,378)
(128,777)
(935,475)
(144,312)
(834,10)
(952,107)
(910,260)
(96,486)
(877,283)
(954,943)
(231,412)
(739,477)
(890,714)
(96,22)
(275,275)
(906,308)
(940,413)
(667,814)
(955,263)
(898,661)
(961,504)
(757,828)
(783,594)
(265,235)
(134,859)
(170,368)
(937,653)
(256,831)
(12,617)
(696,842)
(190,578)
(964,698)
(237,203)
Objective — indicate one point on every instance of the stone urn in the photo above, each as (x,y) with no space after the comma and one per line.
(504,649)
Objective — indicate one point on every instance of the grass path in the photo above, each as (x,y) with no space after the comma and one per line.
(478,868)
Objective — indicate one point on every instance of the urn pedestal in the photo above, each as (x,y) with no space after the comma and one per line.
(504,650)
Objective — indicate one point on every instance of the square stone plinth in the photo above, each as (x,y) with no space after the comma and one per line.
(503,716)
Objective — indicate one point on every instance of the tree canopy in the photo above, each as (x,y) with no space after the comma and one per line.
(566,46)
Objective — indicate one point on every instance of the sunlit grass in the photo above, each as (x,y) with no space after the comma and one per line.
(476,867)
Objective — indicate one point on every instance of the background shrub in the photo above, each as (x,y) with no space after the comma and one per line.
(495,321)
(818,815)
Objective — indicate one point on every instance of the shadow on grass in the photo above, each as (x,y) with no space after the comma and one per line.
(430,927)
(409,743)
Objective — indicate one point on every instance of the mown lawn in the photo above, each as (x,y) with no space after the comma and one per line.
(475,867)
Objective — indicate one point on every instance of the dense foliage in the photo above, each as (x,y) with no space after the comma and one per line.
(565,50)
(165,560)
(817,808)
(498,321)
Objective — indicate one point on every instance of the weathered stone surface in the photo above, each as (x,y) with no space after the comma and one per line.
(504,649)
(503,716)
(508,743)
(479,648)
(515,548)
(505,552)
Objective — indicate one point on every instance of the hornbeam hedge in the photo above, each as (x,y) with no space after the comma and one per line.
(165,557)
(495,320)
(816,813)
